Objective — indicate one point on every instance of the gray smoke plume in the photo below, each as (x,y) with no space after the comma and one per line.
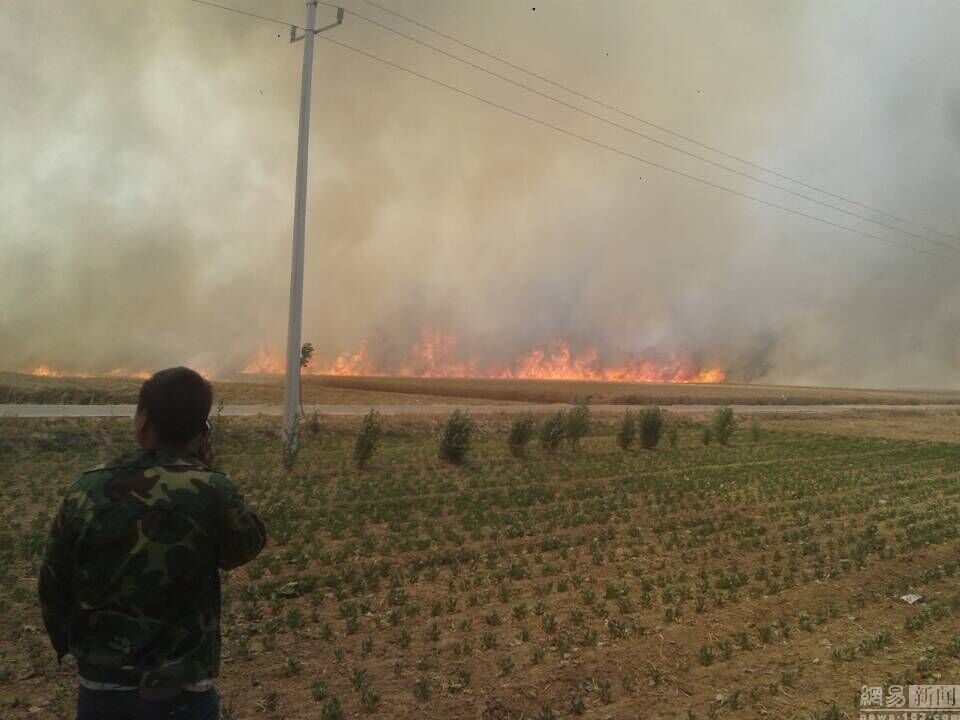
(147,161)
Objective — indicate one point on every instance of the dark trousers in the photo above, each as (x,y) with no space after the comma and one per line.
(127,705)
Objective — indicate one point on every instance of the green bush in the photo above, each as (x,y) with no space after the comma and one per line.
(421,689)
(521,432)
(367,439)
(627,431)
(724,423)
(578,424)
(331,710)
(673,436)
(455,437)
(553,430)
(651,426)
(755,430)
(707,435)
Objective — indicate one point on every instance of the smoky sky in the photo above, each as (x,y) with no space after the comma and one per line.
(148,150)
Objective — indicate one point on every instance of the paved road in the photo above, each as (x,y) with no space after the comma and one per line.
(97,411)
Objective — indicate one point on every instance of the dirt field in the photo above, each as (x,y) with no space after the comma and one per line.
(759,580)
(627,393)
(941,426)
(19,388)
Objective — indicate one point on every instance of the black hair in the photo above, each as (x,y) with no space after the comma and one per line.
(177,402)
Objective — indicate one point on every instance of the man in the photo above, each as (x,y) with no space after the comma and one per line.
(130,582)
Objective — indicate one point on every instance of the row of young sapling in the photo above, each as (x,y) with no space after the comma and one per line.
(820,553)
(550,585)
(806,539)
(807,562)
(563,639)
(566,425)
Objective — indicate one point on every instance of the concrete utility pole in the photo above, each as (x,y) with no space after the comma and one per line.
(291,389)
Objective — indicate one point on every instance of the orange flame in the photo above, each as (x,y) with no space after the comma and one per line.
(44,370)
(434,354)
(264,363)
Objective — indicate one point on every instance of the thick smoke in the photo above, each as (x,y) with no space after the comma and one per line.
(147,163)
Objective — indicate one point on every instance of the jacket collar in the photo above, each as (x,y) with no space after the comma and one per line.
(166,457)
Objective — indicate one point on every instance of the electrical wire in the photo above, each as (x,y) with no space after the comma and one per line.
(591,141)
(248,14)
(656,126)
(652,163)
(653,139)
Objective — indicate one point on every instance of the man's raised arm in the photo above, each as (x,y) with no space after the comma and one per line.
(241,534)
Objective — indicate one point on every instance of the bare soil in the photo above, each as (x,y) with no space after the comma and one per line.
(759,580)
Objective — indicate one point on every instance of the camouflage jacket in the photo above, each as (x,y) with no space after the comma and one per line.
(130,582)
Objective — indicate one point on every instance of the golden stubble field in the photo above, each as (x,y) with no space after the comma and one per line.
(247,390)
(756,580)
(339,390)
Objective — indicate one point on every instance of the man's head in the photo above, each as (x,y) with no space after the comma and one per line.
(172,408)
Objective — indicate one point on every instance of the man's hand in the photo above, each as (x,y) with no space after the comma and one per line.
(206,453)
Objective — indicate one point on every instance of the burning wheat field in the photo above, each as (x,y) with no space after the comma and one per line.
(561,360)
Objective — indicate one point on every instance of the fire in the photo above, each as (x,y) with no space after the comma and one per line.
(44,370)
(432,356)
(435,354)
(264,363)
(136,374)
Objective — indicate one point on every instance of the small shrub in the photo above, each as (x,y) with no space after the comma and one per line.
(577,704)
(318,691)
(832,713)
(455,437)
(552,430)
(367,439)
(724,423)
(627,431)
(369,699)
(953,647)
(460,681)
(292,667)
(521,432)
(651,427)
(421,690)
(546,713)
(605,691)
(359,679)
(331,710)
(673,436)
(707,436)
(755,430)
(707,654)
(270,702)
(578,424)
(766,633)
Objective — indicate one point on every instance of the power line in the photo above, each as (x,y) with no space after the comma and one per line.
(669,132)
(598,143)
(651,138)
(250,14)
(632,156)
